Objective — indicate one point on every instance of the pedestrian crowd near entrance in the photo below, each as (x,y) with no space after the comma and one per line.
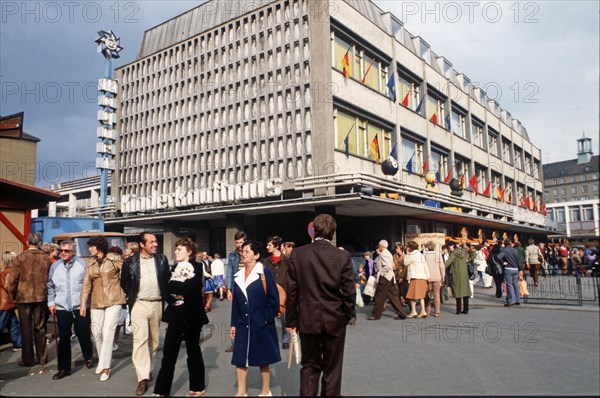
(273,289)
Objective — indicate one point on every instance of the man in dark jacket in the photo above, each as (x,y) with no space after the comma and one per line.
(320,304)
(144,280)
(513,268)
(27,285)
(277,263)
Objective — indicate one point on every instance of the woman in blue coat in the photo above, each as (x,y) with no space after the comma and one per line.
(253,311)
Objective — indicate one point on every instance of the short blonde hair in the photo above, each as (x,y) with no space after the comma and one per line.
(133,246)
(49,247)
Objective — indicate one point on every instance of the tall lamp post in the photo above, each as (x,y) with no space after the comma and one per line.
(108,45)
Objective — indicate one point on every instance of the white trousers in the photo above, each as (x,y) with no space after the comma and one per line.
(104,323)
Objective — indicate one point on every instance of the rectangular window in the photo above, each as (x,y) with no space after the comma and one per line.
(360,137)
(560,214)
(588,213)
(575,214)
(573,179)
(409,93)
(555,192)
(563,191)
(583,177)
(573,190)
(477,134)
(412,149)
(595,188)
(340,49)
(439,163)
(507,154)
(584,189)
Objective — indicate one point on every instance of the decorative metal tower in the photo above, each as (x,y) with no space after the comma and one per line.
(108,45)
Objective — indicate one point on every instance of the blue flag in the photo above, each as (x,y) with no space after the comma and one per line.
(393,152)
(347,143)
(418,110)
(391,85)
(448,126)
(409,164)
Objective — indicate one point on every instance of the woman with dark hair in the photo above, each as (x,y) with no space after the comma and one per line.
(496,268)
(185,316)
(253,311)
(102,279)
(457,262)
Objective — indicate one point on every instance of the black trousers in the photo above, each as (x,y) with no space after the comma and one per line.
(498,280)
(65,320)
(465,305)
(32,317)
(177,332)
(386,290)
(322,353)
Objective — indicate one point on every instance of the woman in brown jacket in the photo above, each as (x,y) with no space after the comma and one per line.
(102,278)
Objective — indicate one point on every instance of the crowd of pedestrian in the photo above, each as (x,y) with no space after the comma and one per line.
(269,287)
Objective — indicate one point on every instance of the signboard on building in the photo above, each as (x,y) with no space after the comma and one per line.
(438,238)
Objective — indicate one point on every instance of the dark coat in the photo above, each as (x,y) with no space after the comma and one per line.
(279,270)
(321,290)
(192,310)
(253,315)
(130,277)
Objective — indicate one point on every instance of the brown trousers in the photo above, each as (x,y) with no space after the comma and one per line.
(32,317)
(386,290)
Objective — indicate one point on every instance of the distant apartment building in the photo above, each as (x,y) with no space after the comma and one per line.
(257,115)
(572,192)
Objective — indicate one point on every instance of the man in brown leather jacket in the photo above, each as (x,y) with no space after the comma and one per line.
(27,284)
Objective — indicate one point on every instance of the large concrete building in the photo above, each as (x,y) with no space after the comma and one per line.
(572,193)
(259,114)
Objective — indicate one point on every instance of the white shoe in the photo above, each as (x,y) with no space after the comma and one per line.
(104,376)
(269,394)
(98,371)
(115,346)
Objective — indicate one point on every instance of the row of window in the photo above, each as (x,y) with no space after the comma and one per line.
(582,213)
(360,64)
(360,137)
(584,189)
(572,179)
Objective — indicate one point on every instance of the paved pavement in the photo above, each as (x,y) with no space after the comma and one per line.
(526,350)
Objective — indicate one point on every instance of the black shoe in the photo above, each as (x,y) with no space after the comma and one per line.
(29,365)
(398,317)
(61,374)
(286,346)
(464,312)
(230,349)
(507,305)
(89,363)
(517,303)
(371,318)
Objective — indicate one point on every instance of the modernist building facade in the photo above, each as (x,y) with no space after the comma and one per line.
(256,115)
(571,187)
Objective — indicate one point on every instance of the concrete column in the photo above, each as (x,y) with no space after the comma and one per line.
(170,236)
(233,224)
(72,206)
(51,209)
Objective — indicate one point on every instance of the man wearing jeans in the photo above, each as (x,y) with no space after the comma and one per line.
(513,268)
(65,282)
(277,263)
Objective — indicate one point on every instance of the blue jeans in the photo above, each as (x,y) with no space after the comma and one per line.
(511,277)
(285,336)
(8,319)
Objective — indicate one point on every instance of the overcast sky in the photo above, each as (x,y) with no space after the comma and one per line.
(538,59)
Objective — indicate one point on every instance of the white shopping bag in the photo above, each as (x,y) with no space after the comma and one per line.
(359,300)
(370,286)
(294,349)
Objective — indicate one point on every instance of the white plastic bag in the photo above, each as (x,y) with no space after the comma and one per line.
(359,300)
(294,349)
(370,286)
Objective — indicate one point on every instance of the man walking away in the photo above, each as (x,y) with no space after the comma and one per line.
(320,304)
(27,285)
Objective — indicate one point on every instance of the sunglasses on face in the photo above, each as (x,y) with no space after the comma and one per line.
(65,251)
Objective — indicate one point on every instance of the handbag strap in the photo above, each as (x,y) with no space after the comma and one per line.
(264,282)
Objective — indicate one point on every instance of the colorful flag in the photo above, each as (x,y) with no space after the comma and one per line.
(424,165)
(434,119)
(449,175)
(448,125)
(544,210)
(473,183)
(409,164)
(486,191)
(521,201)
(405,100)
(499,193)
(364,78)
(347,143)
(391,85)
(510,198)
(438,173)
(375,147)
(418,110)
(393,152)
(528,202)
(346,62)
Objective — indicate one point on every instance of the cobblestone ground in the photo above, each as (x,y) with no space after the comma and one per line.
(525,350)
